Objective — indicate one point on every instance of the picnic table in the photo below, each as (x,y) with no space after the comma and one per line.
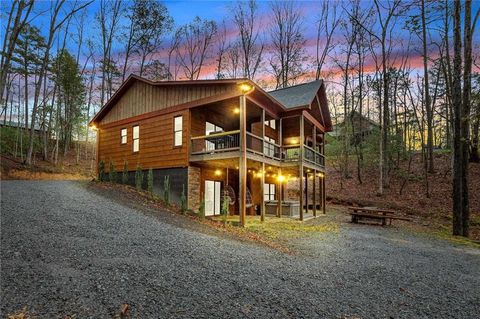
(380,214)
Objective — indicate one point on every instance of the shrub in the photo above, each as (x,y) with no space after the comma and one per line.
(125,173)
(224,210)
(101,171)
(112,173)
(183,200)
(166,190)
(139,178)
(150,181)
(201,209)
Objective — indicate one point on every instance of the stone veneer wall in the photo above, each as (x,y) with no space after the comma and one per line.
(194,179)
(292,190)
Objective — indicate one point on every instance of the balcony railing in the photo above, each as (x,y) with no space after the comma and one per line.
(216,143)
(222,142)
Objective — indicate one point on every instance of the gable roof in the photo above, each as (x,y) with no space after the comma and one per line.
(300,95)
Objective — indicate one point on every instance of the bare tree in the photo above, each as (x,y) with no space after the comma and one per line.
(288,43)
(327,23)
(221,51)
(17,18)
(195,46)
(246,19)
(54,25)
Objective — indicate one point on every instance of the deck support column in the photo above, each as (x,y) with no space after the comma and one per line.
(242,165)
(324,197)
(314,192)
(279,197)
(300,165)
(262,197)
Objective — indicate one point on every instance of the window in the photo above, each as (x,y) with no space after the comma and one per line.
(268,192)
(270,123)
(136,138)
(177,130)
(269,148)
(209,129)
(123,135)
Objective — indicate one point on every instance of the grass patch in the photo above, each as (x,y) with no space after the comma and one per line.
(285,228)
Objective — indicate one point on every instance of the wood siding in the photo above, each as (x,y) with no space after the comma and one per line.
(143,98)
(156,144)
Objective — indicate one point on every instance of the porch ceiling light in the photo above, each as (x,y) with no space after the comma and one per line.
(281,178)
(245,87)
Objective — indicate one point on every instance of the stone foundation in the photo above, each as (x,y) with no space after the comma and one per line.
(194,179)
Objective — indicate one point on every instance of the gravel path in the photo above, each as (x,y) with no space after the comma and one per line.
(68,251)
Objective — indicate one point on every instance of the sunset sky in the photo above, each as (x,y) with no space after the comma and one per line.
(185,11)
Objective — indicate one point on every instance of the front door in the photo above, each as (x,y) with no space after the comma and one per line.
(212,197)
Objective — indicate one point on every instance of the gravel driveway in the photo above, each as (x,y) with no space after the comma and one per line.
(68,251)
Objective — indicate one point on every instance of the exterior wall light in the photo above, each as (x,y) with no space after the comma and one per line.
(218,172)
(281,178)
(245,87)
(236,110)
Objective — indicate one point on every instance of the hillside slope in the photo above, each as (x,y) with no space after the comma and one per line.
(434,211)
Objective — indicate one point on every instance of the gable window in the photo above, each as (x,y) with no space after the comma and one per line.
(268,192)
(271,123)
(177,130)
(123,136)
(136,138)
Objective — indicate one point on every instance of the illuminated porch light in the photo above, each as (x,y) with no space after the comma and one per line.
(218,172)
(245,87)
(93,127)
(294,141)
(236,110)
(281,178)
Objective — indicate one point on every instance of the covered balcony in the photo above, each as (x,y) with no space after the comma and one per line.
(288,141)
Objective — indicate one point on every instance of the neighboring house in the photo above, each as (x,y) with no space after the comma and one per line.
(17,125)
(359,127)
(221,138)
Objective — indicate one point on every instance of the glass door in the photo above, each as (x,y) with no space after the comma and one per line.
(212,197)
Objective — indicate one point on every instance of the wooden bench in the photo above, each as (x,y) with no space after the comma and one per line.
(359,213)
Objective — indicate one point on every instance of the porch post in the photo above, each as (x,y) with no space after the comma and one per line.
(300,165)
(324,196)
(262,195)
(314,192)
(279,197)
(242,167)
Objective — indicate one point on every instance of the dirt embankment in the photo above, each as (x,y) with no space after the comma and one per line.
(434,209)
(69,169)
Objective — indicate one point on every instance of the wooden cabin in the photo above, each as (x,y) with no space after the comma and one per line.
(222,140)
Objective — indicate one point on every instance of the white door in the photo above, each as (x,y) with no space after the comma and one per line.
(212,198)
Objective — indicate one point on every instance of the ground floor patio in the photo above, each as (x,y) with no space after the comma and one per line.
(271,190)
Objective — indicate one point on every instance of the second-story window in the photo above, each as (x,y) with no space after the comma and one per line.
(177,130)
(136,138)
(271,123)
(123,136)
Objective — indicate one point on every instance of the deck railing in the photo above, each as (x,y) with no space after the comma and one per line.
(230,141)
(313,156)
(215,143)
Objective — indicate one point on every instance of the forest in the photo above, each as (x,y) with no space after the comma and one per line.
(410,67)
